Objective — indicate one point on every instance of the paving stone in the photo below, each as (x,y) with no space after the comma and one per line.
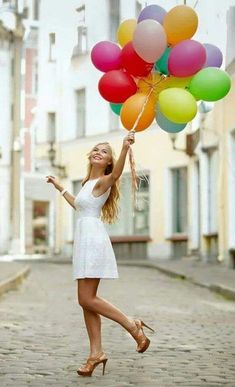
(43,336)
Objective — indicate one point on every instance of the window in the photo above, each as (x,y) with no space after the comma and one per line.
(132,221)
(141,214)
(179,200)
(51,127)
(80,97)
(82,39)
(114,19)
(52,53)
(82,31)
(212,188)
(138,9)
(40,226)
(36,9)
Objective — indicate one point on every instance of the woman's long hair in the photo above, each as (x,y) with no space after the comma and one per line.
(110,209)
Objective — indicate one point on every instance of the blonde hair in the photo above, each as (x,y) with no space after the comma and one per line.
(110,209)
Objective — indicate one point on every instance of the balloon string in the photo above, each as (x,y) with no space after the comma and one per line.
(134,178)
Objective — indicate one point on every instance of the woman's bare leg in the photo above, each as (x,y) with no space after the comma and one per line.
(88,299)
(93,326)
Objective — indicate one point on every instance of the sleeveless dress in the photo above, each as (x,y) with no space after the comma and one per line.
(93,255)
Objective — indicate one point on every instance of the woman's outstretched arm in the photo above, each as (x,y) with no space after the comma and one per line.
(69,198)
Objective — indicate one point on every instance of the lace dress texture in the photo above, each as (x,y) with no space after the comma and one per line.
(93,255)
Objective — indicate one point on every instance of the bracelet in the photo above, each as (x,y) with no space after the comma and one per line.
(63,192)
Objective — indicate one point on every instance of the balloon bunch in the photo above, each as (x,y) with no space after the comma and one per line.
(158,71)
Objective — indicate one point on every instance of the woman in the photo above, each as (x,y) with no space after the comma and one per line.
(93,256)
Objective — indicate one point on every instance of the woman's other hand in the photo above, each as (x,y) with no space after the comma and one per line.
(53,180)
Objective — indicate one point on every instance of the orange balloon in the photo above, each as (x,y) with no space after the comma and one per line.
(155,82)
(125,31)
(131,109)
(180,23)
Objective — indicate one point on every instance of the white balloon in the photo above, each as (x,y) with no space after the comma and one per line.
(149,40)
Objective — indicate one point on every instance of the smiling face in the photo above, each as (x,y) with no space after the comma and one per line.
(101,155)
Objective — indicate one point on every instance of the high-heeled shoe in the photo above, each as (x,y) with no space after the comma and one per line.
(142,340)
(92,363)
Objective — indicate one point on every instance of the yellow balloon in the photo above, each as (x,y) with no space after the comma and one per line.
(125,31)
(178,105)
(178,82)
(180,23)
(131,109)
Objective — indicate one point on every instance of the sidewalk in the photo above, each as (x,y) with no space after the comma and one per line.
(11,275)
(213,276)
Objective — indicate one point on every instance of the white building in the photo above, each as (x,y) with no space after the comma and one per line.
(71,112)
(179,208)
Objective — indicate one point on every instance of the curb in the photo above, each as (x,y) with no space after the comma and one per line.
(14,281)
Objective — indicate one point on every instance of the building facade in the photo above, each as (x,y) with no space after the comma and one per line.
(178,205)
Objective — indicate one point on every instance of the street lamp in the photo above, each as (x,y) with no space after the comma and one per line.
(52,156)
(173,137)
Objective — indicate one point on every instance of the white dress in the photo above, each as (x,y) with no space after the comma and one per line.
(93,255)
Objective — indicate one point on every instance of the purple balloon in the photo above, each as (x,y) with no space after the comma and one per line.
(152,12)
(186,58)
(106,56)
(214,56)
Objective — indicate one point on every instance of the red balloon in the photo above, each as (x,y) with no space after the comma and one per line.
(116,86)
(133,63)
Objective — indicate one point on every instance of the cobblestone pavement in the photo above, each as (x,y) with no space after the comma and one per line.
(43,336)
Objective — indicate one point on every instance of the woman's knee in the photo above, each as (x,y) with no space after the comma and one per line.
(87,289)
(85,302)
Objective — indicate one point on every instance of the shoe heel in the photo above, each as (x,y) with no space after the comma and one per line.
(104,364)
(151,329)
(145,346)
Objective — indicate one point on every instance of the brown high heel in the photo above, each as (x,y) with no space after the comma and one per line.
(142,340)
(91,364)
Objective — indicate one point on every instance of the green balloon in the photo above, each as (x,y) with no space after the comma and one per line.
(210,84)
(116,107)
(162,63)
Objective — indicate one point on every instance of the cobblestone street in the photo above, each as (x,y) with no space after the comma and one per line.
(43,336)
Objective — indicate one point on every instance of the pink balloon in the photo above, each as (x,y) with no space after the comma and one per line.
(186,58)
(149,40)
(106,56)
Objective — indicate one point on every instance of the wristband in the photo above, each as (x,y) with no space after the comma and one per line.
(63,192)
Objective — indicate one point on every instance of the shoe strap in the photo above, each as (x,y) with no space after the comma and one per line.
(94,358)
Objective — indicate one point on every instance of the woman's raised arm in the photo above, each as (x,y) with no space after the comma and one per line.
(69,198)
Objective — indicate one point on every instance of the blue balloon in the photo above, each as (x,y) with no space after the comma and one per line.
(167,125)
